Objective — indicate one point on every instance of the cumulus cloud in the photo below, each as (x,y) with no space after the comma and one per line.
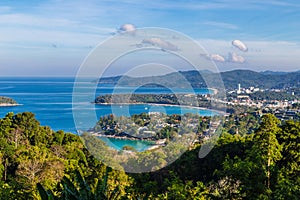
(127,28)
(155,41)
(233,57)
(214,57)
(217,57)
(240,45)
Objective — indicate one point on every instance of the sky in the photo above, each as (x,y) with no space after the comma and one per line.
(54,37)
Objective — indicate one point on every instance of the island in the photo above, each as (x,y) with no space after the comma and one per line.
(6,101)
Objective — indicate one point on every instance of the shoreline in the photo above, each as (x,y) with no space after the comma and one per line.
(215,91)
(133,138)
(153,144)
(9,105)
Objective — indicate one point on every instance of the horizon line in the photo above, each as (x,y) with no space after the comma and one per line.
(116,75)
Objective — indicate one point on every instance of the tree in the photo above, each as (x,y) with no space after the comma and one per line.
(266,150)
(254,170)
(27,123)
(81,190)
(185,190)
(288,178)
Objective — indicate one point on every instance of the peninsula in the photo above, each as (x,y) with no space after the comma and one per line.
(156,128)
(162,99)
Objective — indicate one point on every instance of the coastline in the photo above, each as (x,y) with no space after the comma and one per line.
(153,144)
(160,141)
(9,105)
(215,91)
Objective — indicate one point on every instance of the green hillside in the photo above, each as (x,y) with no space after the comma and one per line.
(254,158)
(231,79)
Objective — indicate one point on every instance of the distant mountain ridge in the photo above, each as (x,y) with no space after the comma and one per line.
(268,72)
(247,78)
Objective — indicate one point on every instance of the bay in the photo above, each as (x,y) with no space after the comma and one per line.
(50,99)
(118,144)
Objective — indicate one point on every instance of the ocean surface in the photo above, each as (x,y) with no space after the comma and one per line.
(50,99)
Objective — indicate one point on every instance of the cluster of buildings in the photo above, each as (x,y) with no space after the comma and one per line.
(287,114)
(243,98)
(249,90)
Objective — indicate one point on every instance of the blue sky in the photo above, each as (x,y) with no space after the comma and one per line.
(53,37)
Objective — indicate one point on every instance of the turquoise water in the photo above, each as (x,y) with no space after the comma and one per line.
(50,99)
(118,144)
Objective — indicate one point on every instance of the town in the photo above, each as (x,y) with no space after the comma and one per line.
(283,103)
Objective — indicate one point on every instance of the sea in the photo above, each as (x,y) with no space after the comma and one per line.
(50,99)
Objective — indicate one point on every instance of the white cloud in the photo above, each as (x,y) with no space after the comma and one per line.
(240,45)
(127,28)
(235,58)
(214,57)
(261,55)
(77,24)
(217,57)
(165,45)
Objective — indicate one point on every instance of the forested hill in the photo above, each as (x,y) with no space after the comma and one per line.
(250,160)
(247,78)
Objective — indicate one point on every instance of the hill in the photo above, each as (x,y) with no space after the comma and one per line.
(249,78)
(231,79)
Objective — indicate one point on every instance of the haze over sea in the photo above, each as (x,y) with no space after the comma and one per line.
(50,99)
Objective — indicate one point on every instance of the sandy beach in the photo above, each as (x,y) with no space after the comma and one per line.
(8,105)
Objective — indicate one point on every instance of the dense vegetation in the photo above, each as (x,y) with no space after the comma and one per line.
(231,79)
(7,100)
(138,98)
(255,158)
(271,95)
(178,99)
(31,154)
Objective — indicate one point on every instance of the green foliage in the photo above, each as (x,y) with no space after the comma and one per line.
(179,190)
(45,195)
(272,95)
(264,172)
(81,190)
(262,161)
(242,124)
(266,150)
(288,179)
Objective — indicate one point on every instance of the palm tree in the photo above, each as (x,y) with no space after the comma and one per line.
(83,191)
